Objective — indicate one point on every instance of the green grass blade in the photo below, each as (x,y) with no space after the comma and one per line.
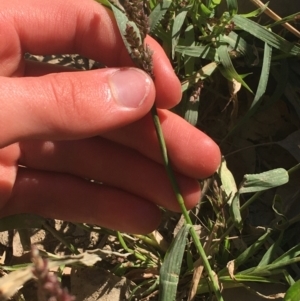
(261,89)
(158,13)
(170,270)
(21,221)
(232,6)
(264,181)
(269,255)
(189,40)
(248,253)
(204,52)
(265,35)
(176,27)
(293,252)
(227,68)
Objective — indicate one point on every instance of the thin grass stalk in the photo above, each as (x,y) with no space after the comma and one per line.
(170,173)
(127,249)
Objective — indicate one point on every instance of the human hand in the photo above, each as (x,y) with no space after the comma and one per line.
(61,128)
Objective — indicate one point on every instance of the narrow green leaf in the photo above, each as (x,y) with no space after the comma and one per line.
(265,35)
(158,13)
(227,68)
(264,181)
(262,85)
(189,40)
(269,255)
(170,269)
(248,253)
(293,293)
(292,253)
(232,6)
(204,52)
(176,27)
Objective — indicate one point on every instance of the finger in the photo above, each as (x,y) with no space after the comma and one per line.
(59,196)
(88,29)
(111,164)
(72,105)
(191,152)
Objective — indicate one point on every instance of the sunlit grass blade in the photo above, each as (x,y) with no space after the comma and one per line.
(248,253)
(261,89)
(204,52)
(227,68)
(176,27)
(265,35)
(170,270)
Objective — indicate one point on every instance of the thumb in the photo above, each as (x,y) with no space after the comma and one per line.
(72,105)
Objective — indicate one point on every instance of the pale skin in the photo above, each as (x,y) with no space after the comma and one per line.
(62,127)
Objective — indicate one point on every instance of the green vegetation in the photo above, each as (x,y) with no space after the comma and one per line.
(237,75)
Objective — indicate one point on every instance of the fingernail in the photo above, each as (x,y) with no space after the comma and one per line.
(129,87)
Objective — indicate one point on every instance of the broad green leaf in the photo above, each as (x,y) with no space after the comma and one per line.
(293,293)
(176,27)
(21,221)
(170,269)
(265,35)
(227,68)
(158,13)
(264,181)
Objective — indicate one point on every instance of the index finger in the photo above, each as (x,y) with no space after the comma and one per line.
(84,27)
